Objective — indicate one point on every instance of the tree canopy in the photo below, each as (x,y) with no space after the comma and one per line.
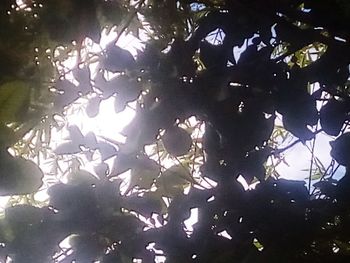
(217,87)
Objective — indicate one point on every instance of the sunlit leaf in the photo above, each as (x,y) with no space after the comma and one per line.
(174,180)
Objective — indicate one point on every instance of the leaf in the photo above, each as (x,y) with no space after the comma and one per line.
(177,141)
(341,149)
(86,247)
(93,107)
(64,85)
(297,127)
(92,26)
(149,203)
(90,141)
(82,75)
(81,177)
(213,56)
(14,101)
(30,176)
(327,188)
(174,180)
(24,215)
(252,165)
(333,116)
(102,169)
(119,104)
(107,150)
(211,140)
(144,173)
(67,93)
(18,176)
(65,99)
(122,163)
(69,147)
(111,87)
(134,27)
(84,89)
(117,59)
(75,134)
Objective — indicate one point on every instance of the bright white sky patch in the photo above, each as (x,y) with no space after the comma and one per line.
(106,124)
(193,219)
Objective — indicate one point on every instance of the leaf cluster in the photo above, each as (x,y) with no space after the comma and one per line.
(289,46)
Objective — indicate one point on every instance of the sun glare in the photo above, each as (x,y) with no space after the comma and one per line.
(107,123)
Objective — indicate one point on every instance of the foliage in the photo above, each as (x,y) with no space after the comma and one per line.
(187,69)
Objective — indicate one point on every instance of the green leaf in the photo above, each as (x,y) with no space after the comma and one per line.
(174,180)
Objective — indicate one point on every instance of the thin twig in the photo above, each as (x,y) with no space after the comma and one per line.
(195,146)
(311,163)
(324,174)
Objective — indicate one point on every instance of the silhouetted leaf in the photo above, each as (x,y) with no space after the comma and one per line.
(144,173)
(333,116)
(75,134)
(340,149)
(18,175)
(174,180)
(107,150)
(82,75)
(90,141)
(69,147)
(68,93)
(101,170)
(81,177)
(213,57)
(177,141)
(117,59)
(93,107)
(297,128)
